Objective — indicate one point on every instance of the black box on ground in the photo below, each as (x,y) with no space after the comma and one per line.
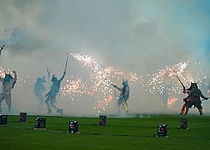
(40,123)
(162,130)
(3,119)
(183,124)
(102,120)
(73,127)
(23,117)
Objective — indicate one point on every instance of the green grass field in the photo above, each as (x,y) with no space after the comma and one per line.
(119,133)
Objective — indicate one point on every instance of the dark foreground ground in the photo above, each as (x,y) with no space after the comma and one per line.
(136,132)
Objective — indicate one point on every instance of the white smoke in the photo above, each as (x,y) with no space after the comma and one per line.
(139,36)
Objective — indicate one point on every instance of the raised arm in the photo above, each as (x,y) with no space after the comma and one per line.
(201,95)
(64,73)
(15,77)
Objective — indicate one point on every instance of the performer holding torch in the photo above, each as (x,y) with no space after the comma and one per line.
(191,95)
(195,100)
(124,95)
(185,91)
(54,90)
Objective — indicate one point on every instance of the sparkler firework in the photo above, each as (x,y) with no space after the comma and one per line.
(2,72)
(20,81)
(96,83)
(159,81)
(167,81)
(101,77)
(100,80)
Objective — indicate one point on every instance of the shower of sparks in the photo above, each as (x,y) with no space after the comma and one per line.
(100,80)
(159,81)
(74,86)
(2,72)
(104,102)
(165,81)
(20,81)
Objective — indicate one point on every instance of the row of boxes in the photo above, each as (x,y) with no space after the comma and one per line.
(40,123)
(3,118)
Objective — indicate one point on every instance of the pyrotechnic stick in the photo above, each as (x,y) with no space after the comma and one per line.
(66,63)
(109,82)
(48,73)
(115,91)
(48,76)
(180,81)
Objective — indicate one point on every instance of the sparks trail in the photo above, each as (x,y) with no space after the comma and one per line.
(21,81)
(162,81)
(159,80)
(100,79)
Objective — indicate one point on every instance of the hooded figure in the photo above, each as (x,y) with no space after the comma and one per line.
(125,91)
(8,83)
(39,88)
(195,100)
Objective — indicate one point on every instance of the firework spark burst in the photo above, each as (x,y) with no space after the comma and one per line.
(166,80)
(159,80)
(20,81)
(100,80)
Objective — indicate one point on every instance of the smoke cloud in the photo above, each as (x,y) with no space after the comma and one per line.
(139,36)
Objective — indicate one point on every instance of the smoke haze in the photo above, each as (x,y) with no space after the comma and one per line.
(140,36)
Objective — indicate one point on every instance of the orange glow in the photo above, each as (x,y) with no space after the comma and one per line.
(171,101)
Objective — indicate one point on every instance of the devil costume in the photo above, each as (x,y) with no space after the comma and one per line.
(195,100)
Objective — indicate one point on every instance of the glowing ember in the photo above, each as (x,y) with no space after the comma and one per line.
(171,101)
(105,102)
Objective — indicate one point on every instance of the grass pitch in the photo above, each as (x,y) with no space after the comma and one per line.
(119,133)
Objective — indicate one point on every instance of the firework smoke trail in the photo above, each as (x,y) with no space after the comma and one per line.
(100,79)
